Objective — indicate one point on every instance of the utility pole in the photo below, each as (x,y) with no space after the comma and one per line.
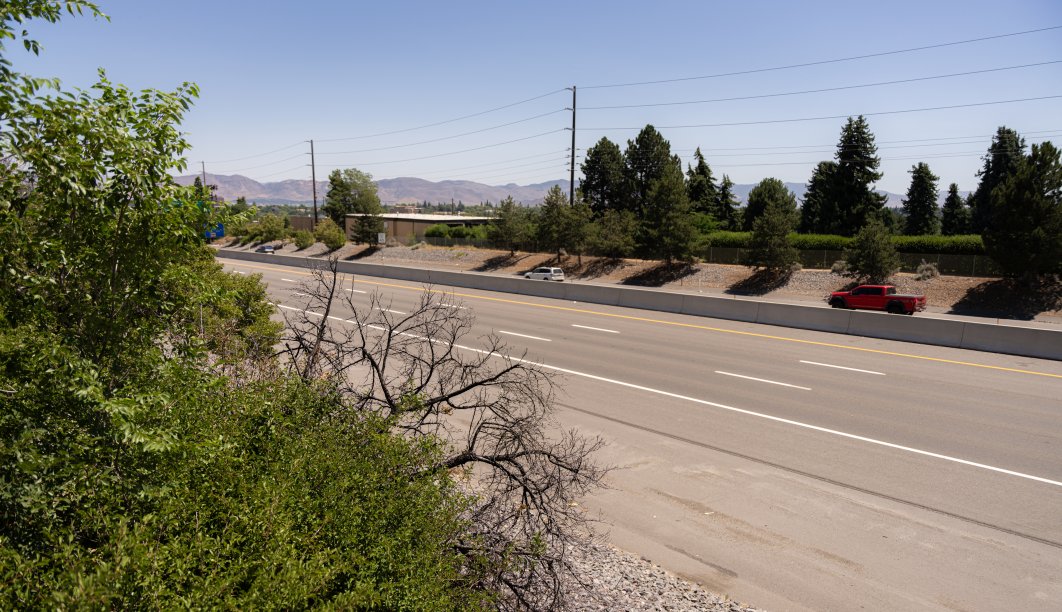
(571,181)
(313,178)
(202,192)
(451,206)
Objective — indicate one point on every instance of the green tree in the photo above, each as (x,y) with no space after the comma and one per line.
(955,216)
(768,191)
(646,160)
(578,228)
(272,227)
(770,246)
(1025,237)
(553,219)
(920,205)
(613,233)
(353,192)
(330,234)
(819,214)
(509,226)
(602,184)
(726,206)
(701,189)
(871,256)
(853,181)
(669,218)
(240,206)
(1002,160)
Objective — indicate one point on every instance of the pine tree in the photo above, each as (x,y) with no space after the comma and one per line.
(353,192)
(602,184)
(771,246)
(509,226)
(920,205)
(852,187)
(613,234)
(578,228)
(726,206)
(818,214)
(955,216)
(646,160)
(1025,237)
(669,220)
(553,220)
(871,256)
(700,187)
(768,191)
(1004,155)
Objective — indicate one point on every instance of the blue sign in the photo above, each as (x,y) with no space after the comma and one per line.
(218,232)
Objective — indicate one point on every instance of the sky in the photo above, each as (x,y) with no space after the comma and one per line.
(363,79)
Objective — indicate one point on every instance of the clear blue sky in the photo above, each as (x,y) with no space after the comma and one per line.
(273,74)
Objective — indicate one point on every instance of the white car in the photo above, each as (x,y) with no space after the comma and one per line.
(546,274)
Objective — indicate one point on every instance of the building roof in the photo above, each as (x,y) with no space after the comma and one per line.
(423,217)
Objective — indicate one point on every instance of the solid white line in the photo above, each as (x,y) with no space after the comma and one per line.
(357,291)
(450,305)
(762,380)
(842,368)
(289,280)
(523,336)
(302,294)
(386,310)
(595,328)
(746,412)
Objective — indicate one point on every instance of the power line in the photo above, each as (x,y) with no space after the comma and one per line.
(848,115)
(491,164)
(255,178)
(491,170)
(225,161)
(413,144)
(822,62)
(812,91)
(444,122)
(264,165)
(498,144)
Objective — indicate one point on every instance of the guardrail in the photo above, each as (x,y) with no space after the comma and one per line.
(1025,341)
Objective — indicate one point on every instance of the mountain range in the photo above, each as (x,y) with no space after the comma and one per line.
(409,190)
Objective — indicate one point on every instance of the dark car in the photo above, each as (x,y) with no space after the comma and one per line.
(264,249)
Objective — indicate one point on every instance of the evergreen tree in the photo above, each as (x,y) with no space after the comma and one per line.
(920,205)
(669,220)
(613,234)
(1025,237)
(700,187)
(509,226)
(200,193)
(602,184)
(726,206)
(955,217)
(852,187)
(553,220)
(646,160)
(768,191)
(240,206)
(872,255)
(1002,160)
(578,228)
(770,246)
(353,192)
(818,214)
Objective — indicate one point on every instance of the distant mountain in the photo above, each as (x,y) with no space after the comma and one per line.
(409,190)
(406,190)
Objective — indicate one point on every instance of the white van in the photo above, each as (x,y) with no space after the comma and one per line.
(546,274)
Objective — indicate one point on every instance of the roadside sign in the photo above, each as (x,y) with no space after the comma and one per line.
(217,232)
(381,238)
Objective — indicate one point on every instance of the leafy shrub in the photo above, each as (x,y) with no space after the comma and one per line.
(437,231)
(304,239)
(926,271)
(272,228)
(820,242)
(411,239)
(839,267)
(732,240)
(872,255)
(459,232)
(330,234)
(796,267)
(945,245)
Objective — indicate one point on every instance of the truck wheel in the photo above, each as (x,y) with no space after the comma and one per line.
(895,309)
(837,303)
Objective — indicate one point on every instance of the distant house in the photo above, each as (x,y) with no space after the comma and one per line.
(399,225)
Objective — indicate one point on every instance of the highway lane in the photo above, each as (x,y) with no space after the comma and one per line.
(956,519)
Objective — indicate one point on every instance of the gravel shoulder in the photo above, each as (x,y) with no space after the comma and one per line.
(1004,297)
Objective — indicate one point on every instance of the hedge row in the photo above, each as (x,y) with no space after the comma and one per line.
(945,245)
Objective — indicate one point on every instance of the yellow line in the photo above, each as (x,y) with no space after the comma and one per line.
(728,331)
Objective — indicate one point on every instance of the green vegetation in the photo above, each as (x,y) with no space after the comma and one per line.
(330,234)
(510,225)
(955,215)
(352,191)
(304,239)
(920,205)
(771,246)
(871,256)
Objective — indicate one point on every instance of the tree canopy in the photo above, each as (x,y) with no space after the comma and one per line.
(1004,155)
(920,205)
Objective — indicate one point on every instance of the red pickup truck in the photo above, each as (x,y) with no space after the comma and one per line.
(878,297)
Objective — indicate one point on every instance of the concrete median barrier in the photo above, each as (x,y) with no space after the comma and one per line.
(905,328)
(1027,341)
(720,308)
(805,317)
(648,299)
(504,284)
(592,294)
(541,288)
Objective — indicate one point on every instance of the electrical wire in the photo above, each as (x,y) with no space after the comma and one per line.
(823,62)
(421,174)
(225,161)
(848,115)
(264,165)
(813,91)
(395,161)
(413,144)
(444,122)
(255,178)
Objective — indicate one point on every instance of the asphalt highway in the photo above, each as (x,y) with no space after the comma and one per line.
(793,469)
